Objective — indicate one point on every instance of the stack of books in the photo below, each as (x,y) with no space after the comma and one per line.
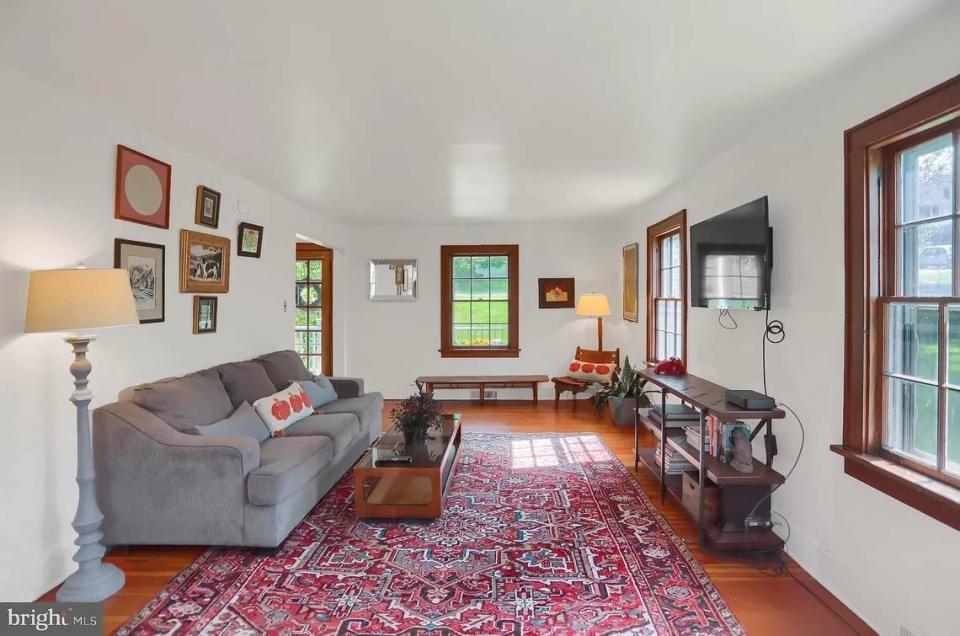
(677,415)
(676,463)
(693,437)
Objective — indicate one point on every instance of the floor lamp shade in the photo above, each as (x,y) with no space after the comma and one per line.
(72,299)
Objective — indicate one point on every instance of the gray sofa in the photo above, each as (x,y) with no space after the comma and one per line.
(158,482)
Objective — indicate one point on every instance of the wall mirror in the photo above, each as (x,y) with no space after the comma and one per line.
(393,279)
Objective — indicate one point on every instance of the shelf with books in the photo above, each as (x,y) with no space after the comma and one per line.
(722,473)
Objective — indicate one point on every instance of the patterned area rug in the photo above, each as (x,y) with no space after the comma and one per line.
(542,534)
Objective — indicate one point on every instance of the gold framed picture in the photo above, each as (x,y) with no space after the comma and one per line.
(204,263)
(204,314)
(208,207)
(631,272)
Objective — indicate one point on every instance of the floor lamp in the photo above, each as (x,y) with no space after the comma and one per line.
(70,300)
(595,305)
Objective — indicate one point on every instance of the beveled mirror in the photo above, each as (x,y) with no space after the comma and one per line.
(393,279)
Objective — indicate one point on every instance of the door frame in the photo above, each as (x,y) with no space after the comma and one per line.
(313,251)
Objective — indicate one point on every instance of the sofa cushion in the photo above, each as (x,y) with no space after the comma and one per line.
(244,421)
(367,408)
(245,381)
(286,464)
(341,428)
(284,367)
(320,390)
(185,403)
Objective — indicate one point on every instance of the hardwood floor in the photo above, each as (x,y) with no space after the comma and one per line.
(777,598)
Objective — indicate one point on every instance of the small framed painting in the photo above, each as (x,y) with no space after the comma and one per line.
(208,207)
(556,293)
(204,263)
(204,314)
(142,189)
(631,272)
(249,240)
(145,264)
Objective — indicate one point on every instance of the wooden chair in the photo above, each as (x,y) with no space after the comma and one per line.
(576,385)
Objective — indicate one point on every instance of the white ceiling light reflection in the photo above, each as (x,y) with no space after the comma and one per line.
(479,186)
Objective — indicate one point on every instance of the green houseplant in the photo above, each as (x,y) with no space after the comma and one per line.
(625,393)
(416,415)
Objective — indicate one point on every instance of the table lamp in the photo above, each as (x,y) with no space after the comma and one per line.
(594,305)
(69,300)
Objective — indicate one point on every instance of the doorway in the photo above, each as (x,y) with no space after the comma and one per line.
(313,319)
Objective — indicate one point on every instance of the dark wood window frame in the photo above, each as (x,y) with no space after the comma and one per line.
(870,273)
(447,254)
(673,224)
(312,251)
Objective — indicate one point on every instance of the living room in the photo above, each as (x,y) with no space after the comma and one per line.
(316,178)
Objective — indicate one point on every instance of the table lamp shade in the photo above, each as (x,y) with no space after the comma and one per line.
(593,305)
(72,299)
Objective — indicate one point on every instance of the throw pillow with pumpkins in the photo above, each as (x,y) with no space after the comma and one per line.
(590,371)
(280,410)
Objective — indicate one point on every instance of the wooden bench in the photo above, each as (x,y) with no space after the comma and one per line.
(429,383)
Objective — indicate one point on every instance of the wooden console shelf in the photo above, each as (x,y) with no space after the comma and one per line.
(710,400)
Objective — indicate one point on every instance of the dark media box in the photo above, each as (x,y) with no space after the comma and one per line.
(751,400)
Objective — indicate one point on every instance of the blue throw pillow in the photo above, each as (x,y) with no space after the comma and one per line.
(244,421)
(320,391)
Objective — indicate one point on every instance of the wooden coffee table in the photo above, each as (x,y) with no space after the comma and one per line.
(429,383)
(407,491)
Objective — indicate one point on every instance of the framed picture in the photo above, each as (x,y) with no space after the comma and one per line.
(249,240)
(208,207)
(145,264)
(631,273)
(556,293)
(204,314)
(142,189)
(204,263)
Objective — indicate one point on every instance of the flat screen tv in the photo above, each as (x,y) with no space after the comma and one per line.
(731,257)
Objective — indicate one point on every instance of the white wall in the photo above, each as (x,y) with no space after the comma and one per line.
(891,564)
(57,163)
(391,343)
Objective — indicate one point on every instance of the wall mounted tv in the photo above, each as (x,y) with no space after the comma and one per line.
(731,256)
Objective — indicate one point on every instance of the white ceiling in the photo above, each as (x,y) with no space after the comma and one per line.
(445,110)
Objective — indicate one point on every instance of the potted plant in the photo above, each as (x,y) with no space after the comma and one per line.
(416,415)
(623,395)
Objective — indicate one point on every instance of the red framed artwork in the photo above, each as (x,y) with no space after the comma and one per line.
(556,293)
(143,189)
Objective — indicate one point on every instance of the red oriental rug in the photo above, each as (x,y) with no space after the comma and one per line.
(542,534)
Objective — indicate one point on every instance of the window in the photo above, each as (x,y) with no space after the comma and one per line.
(902,361)
(479,308)
(667,288)
(313,314)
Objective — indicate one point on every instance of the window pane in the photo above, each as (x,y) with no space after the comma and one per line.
(481,337)
(913,337)
(670,322)
(666,253)
(499,289)
(461,289)
(461,312)
(679,312)
(661,314)
(675,282)
(461,335)
(927,180)
(461,267)
(300,317)
(301,270)
(953,432)
(481,266)
(498,267)
(911,426)
(661,345)
(316,270)
(308,295)
(313,342)
(481,313)
(313,318)
(481,289)
(300,342)
(953,345)
(499,335)
(666,289)
(314,364)
(499,313)
(675,250)
(926,259)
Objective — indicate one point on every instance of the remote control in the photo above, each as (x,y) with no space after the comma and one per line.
(398,459)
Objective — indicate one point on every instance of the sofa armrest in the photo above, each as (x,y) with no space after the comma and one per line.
(158,485)
(347,387)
